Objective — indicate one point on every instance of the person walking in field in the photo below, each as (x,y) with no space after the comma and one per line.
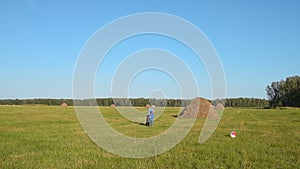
(150,116)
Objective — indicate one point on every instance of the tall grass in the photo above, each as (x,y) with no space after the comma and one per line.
(51,137)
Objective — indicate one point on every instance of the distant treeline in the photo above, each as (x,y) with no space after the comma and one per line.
(285,92)
(139,102)
(229,102)
(99,101)
(246,102)
(50,102)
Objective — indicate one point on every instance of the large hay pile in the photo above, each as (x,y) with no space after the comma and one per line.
(148,106)
(200,108)
(64,105)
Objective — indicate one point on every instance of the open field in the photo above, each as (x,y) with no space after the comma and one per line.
(51,137)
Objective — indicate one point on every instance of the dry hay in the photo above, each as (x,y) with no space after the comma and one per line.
(220,107)
(112,105)
(148,106)
(201,108)
(64,105)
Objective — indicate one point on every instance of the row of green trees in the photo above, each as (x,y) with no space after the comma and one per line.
(232,102)
(152,101)
(285,92)
(246,102)
(281,93)
(99,101)
(140,102)
(36,101)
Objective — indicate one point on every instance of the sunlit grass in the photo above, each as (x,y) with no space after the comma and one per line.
(51,137)
(138,129)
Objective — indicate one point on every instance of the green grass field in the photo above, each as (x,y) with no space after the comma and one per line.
(51,137)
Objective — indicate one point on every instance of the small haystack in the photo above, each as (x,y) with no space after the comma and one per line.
(199,108)
(148,106)
(112,105)
(64,105)
(219,107)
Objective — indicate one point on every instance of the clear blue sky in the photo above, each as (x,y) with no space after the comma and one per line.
(257,41)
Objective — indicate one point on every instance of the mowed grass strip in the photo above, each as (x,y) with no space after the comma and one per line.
(51,137)
(138,129)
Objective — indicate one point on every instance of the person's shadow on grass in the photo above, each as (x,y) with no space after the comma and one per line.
(142,124)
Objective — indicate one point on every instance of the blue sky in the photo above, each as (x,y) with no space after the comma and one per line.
(257,41)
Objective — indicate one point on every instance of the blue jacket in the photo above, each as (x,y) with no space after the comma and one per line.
(151,109)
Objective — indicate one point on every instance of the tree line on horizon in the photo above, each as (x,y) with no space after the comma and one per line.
(247,102)
(284,93)
(99,101)
(140,102)
(280,93)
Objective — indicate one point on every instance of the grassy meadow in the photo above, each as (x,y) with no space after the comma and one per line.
(51,137)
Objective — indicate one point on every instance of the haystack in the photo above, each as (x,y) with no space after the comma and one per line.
(148,106)
(112,105)
(199,108)
(220,107)
(64,105)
